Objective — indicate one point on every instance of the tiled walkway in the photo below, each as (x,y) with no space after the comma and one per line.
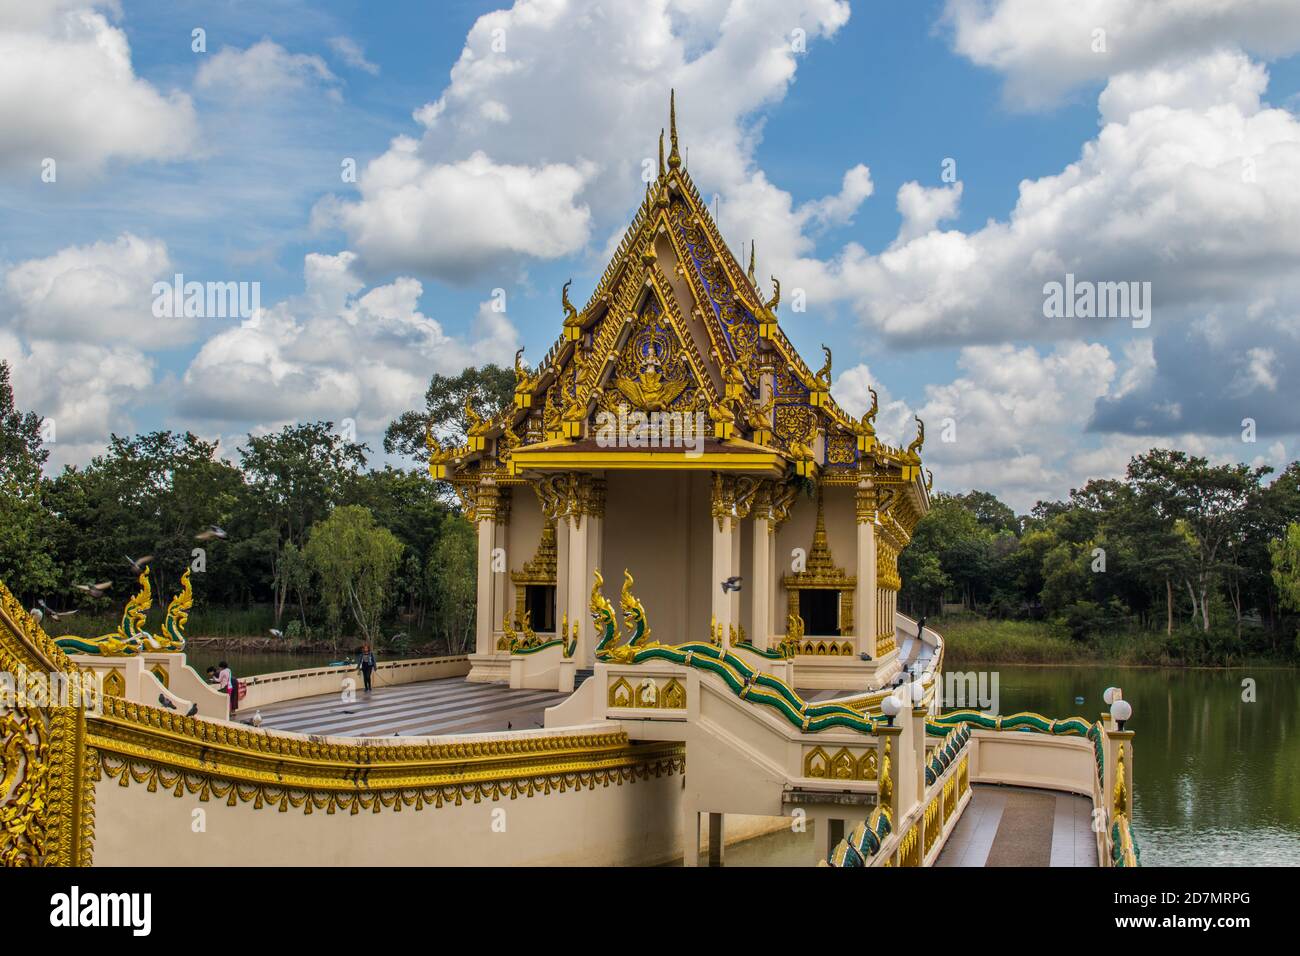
(450,706)
(1010,826)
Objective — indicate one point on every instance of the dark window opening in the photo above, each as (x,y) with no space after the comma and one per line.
(539,602)
(820,610)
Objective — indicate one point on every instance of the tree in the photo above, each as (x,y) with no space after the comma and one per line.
(25,559)
(452,575)
(1285,555)
(298,474)
(491,389)
(355,560)
(1209,501)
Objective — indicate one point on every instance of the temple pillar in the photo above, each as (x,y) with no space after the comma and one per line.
(726,556)
(761,578)
(484,517)
(500,540)
(868,594)
(581,512)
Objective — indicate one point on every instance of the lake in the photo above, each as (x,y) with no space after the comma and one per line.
(1214,774)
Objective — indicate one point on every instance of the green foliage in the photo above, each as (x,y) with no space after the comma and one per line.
(491,389)
(1284,554)
(451,574)
(355,560)
(1177,553)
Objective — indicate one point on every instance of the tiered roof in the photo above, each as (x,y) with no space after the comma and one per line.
(676,325)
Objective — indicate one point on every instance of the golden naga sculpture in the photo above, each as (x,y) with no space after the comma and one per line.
(571,318)
(131,638)
(634,618)
(774,303)
(869,417)
(914,449)
(758,417)
(824,374)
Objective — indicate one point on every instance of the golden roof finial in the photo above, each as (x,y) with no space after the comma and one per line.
(752,278)
(674,158)
(661,154)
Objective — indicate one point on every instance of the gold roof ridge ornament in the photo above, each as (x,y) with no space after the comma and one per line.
(674,157)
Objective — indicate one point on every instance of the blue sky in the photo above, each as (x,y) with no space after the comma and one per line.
(484,169)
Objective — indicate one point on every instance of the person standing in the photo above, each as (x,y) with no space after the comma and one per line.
(367,664)
(227,683)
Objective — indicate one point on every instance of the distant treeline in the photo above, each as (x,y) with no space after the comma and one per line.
(315,544)
(1207,557)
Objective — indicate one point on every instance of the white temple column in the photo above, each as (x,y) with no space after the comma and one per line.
(760,580)
(866,601)
(485,519)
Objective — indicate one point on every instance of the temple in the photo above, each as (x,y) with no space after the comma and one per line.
(673,430)
(673,442)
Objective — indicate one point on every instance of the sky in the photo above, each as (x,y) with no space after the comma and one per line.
(410,184)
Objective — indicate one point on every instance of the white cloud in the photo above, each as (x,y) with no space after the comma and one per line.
(556,96)
(68,92)
(335,352)
(350,52)
(82,388)
(263,69)
(454,220)
(1044,50)
(924,208)
(1196,199)
(100,292)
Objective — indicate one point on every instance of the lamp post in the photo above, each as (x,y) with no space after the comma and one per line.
(890,707)
(1120,711)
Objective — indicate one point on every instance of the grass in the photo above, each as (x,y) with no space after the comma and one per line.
(971,639)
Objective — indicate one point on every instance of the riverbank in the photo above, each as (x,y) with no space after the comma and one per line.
(971,641)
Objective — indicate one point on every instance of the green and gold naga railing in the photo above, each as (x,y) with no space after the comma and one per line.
(743,680)
(956,727)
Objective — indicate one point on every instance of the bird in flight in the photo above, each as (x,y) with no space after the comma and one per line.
(46,609)
(731,584)
(95,590)
(212,532)
(137,564)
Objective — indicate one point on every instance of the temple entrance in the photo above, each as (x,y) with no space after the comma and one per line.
(820,610)
(539,602)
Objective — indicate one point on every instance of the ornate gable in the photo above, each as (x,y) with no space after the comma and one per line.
(675,324)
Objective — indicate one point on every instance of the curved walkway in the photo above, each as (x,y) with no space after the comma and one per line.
(1015,826)
(449,706)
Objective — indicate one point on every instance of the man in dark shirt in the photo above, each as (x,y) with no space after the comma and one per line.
(367,664)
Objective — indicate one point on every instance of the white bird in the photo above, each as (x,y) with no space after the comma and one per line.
(276,634)
(212,532)
(257,719)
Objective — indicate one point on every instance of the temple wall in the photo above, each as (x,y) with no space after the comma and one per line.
(657,526)
(632,823)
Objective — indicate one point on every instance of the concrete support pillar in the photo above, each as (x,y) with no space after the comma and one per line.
(580,580)
(690,835)
(500,576)
(834,834)
(867,600)
(716,841)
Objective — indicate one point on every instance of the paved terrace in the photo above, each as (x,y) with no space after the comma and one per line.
(449,706)
(1012,826)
